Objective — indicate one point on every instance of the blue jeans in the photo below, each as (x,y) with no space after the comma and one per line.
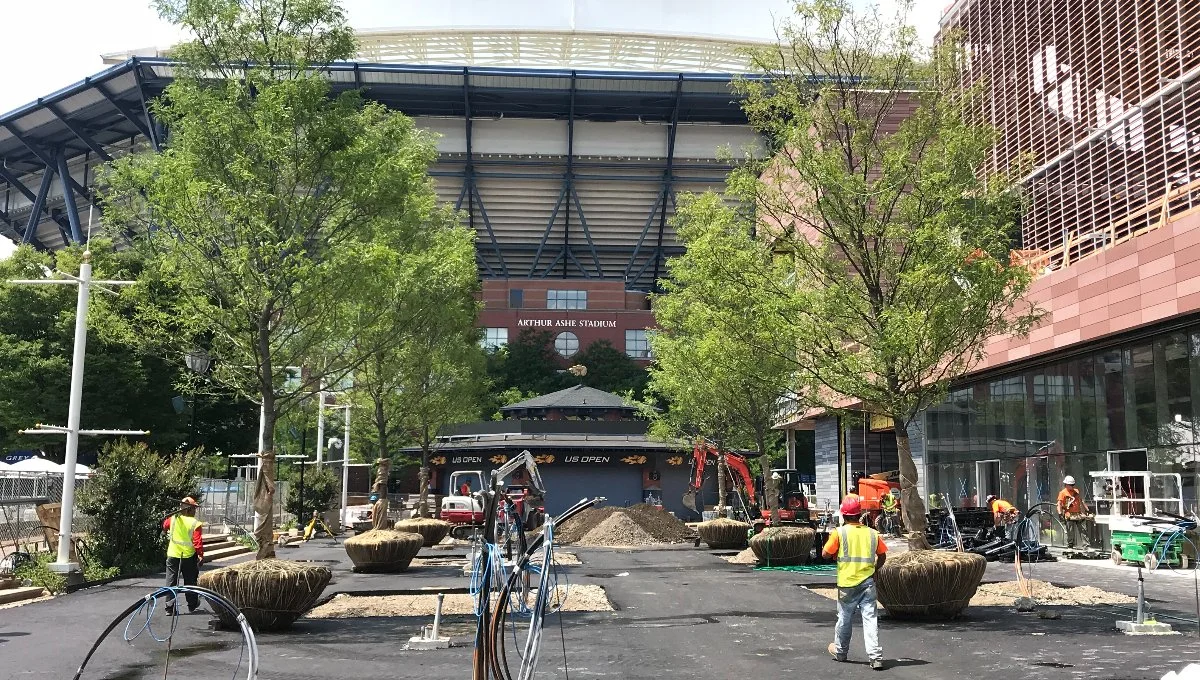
(860,598)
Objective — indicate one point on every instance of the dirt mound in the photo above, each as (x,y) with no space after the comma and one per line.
(659,523)
(744,557)
(1005,592)
(618,529)
(578,526)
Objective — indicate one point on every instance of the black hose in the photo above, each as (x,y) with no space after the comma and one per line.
(210,595)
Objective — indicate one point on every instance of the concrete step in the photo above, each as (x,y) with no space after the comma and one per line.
(218,545)
(224,553)
(215,537)
(11,595)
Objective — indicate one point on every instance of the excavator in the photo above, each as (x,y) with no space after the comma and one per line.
(793,504)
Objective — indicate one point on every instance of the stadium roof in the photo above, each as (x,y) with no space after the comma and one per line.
(66,133)
(575,398)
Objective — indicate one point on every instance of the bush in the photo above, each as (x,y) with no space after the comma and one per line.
(128,498)
(38,573)
(321,486)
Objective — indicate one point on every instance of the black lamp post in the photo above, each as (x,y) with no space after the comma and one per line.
(198,361)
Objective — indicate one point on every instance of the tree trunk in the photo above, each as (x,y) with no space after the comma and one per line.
(379,514)
(423,481)
(770,486)
(910,498)
(722,474)
(264,505)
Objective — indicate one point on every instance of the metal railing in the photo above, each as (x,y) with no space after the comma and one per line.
(20,494)
(231,502)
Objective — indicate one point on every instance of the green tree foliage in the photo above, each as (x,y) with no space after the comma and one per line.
(277,207)
(128,383)
(321,487)
(611,370)
(877,200)
(528,363)
(718,384)
(128,498)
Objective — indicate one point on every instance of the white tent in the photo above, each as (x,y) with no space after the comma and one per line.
(35,465)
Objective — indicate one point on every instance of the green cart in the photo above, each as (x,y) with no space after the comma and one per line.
(1139,546)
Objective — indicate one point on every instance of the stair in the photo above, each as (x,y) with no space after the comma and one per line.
(222,546)
(11,595)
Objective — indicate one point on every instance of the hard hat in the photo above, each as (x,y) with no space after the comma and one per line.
(851,506)
(1069,480)
(188,501)
(989,500)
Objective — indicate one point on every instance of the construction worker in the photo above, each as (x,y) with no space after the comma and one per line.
(859,552)
(890,507)
(1074,512)
(1003,512)
(185,551)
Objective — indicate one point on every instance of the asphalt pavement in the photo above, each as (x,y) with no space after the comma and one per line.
(681,613)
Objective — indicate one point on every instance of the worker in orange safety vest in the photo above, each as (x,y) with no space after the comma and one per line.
(859,551)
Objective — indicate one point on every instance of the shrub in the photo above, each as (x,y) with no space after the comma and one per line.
(321,486)
(128,498)
(38,573)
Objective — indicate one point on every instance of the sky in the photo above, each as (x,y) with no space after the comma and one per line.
(51,44)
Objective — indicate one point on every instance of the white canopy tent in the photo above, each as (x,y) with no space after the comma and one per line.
(35,465)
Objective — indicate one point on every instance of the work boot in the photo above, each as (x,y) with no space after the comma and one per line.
(170,611)
(833,653)
(876,664)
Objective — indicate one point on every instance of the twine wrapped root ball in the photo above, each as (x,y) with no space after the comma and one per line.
(270,593)
(432,530)
(928,584)
(383,550)
(723,533)
(780,546)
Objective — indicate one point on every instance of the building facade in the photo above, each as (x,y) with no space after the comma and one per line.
(1105,100)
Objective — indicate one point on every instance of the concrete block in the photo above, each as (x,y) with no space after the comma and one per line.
(421,644)
(1131,628)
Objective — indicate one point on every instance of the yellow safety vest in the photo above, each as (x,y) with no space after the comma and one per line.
(857,545)
(182,528)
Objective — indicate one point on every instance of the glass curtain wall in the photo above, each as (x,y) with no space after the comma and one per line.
(1108,409)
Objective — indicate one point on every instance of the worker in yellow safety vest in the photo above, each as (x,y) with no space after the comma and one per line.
(185,551)
(859,551)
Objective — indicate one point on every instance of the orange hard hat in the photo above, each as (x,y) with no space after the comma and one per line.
(188,501)
(851,506)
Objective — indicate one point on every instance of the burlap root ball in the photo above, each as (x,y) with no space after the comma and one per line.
(271,594)
(723,533)
(383,550)
(929,584)
(432,530)
(780,546)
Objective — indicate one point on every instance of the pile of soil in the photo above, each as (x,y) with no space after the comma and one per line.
(744,557)
(1006,592)
(658,524)
(618,529)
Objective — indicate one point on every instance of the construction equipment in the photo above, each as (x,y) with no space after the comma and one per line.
(463,508)
(467,511)
(793,503)
(1151,541)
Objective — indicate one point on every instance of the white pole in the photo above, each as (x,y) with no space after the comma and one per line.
(262,443)
(63,563)
(320,428)
(346,470)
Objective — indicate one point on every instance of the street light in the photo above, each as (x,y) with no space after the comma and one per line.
(198,361)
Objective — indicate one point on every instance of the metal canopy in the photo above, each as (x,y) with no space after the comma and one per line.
(50,148)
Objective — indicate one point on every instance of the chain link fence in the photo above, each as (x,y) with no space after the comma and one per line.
(20,494)
(230,502)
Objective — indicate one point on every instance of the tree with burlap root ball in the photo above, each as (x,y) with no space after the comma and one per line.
(895,236)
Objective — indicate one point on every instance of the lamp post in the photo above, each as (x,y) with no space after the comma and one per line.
(83,282)
(198,361)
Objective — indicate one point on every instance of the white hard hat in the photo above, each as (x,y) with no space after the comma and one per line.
(1069,480)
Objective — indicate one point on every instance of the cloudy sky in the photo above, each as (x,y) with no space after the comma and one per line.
(54,43)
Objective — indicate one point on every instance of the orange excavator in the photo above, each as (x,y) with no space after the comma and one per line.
(793,506)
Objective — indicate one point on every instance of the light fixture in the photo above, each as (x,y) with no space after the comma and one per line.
(198,361)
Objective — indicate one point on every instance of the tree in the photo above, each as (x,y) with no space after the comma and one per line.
(275,206)
(611,370)
(427,374)
(877,198)
(718,384)
(321,487)
(528,363)
(128,384)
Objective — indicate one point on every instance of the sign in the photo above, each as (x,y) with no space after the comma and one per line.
(880,423)
(566,323)
(556,459)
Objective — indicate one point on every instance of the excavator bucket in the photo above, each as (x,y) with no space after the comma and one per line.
(689,500)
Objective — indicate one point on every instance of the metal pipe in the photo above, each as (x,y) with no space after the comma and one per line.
(437,617)
(63,563)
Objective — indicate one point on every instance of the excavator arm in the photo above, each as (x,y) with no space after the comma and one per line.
(733,462)
(741,469)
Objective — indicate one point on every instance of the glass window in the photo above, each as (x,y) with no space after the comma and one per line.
(566,299)
(1144,426)
(494,338)
(1110,376)
(516,298)
(637,345)
(566,344)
